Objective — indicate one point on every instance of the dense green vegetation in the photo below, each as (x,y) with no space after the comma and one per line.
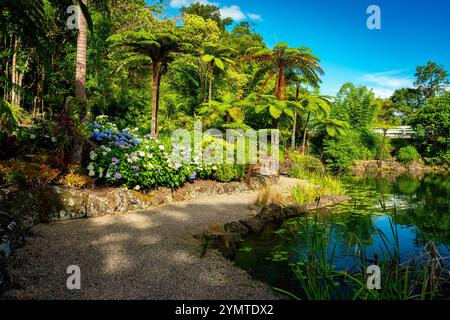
(94,101)
(127,61)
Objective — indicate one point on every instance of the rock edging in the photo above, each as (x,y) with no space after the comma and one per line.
(58,203)
(390,167)
(228,240)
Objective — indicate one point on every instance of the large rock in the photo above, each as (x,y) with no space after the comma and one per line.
(59,204)
(227,243)
(236,227)
(273,212)
(103,202)
(161,196)
(254,224)
(137,200)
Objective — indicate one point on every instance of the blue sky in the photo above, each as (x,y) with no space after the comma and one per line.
(412,32)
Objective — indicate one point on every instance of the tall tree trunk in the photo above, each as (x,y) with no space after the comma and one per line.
(280,92)
(81,69)
(211,74)
(294,129)
(304,133)
(277,86)
(156,79)
(18,83)
(228,117)
(40,91)
(14,72)
(6,88)
(380,161)
(280,88)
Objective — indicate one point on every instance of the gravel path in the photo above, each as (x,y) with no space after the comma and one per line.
(140,255)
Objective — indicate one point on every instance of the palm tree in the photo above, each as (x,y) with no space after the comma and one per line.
(81,64)
(281,59)
(314,104)
(297,77)
(216,55)
(226,113)
(84,23)
(271,104)
(159,43)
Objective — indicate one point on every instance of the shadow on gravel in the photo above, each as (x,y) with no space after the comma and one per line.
(140,255)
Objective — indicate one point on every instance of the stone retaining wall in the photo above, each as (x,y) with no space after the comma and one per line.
(58,203)
(389,167)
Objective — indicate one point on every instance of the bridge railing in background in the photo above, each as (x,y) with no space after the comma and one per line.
(400,132)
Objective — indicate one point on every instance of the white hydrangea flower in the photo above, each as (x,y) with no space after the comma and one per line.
(161,147)
(141,154)
(137,188)
(92,155)
(91,173)
(32,136)
(90,166)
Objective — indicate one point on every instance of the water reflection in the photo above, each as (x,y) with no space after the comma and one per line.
(417,207)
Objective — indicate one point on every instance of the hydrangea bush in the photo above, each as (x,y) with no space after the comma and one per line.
(125,159)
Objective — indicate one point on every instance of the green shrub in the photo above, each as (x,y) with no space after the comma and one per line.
(307,163)
(45,135)
(407,155)
(128,160)
(340,153)
(8,121)
(229,172)
(304,193)
(124,159)
(323,184)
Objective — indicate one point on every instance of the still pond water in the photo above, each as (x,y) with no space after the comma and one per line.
(418,208)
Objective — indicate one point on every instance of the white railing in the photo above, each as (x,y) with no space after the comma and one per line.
(401,132)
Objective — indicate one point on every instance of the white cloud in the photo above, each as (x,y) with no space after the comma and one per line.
(254,16)
(382,92)
(177,4)
(385,83)
(233,12)
(389,79)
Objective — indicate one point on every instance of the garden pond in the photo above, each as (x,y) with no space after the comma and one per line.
(416,209)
